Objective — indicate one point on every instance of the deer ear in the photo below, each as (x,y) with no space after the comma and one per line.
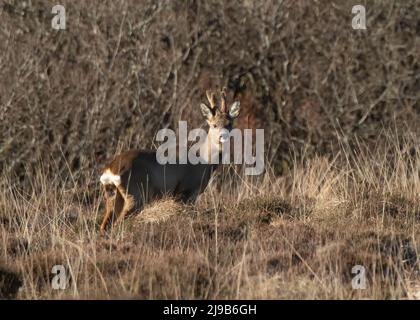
(206,111)
(234,109)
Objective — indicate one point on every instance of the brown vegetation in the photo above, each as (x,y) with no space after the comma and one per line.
(340,189)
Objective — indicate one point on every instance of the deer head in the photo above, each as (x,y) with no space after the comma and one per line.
(219,117)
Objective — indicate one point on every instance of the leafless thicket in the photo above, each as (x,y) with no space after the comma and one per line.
(340,111)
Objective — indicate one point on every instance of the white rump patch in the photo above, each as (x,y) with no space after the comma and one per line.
(109,178)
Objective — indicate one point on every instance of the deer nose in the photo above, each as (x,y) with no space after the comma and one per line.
(224,136)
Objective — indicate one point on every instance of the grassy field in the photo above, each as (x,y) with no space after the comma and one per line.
(294,236)
(340,109)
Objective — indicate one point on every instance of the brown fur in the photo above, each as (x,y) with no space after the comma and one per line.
(121,202)
(122,162)
(118,201)
(112,205)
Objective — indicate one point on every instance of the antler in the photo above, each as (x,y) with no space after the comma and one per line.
(223,100)
(210,98)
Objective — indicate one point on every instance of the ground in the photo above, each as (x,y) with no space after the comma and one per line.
(293,236)
(340,112)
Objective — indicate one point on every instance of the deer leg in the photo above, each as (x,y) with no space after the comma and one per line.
(128,204)
(108,208)
(189,196)
(119,204)
(114,204)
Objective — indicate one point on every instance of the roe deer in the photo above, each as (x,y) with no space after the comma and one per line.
(136,176)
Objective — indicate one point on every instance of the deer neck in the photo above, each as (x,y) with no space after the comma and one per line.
(210,149)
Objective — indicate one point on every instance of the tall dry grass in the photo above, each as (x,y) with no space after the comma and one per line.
(294,236)
(337,191)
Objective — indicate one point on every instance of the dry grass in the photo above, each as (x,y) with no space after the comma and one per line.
(337,190)
(159,211)
(295,236)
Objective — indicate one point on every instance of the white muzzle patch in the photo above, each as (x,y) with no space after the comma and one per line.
(224,137)
(109,178)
